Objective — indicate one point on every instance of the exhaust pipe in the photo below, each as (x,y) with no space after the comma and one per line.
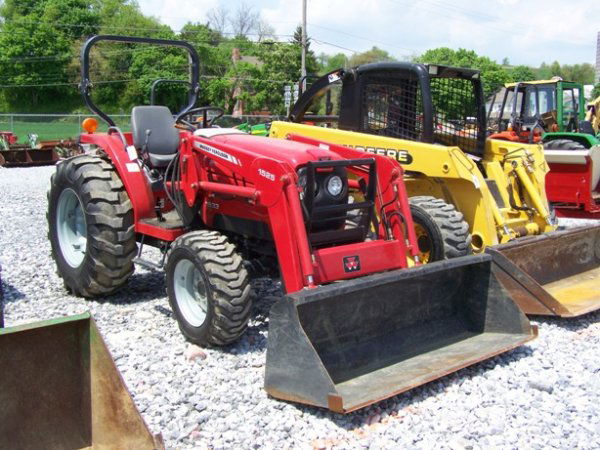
(346,345)
(553,274)
(60,388)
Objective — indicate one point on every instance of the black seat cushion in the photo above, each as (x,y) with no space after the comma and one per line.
(163,140)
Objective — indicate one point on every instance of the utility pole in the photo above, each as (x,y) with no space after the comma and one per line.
(303,68)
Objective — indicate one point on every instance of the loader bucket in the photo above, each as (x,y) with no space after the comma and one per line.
(60,389)
(554,274)
(346,345)
(28,157)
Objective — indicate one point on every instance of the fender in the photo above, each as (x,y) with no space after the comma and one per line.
(583,138)
(130,173)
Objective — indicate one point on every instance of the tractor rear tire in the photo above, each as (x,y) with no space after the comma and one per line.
(90,226)
(208,288)
(442,232)
(564,144)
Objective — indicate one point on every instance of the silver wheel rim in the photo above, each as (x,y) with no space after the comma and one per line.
(71,228)
(190,292)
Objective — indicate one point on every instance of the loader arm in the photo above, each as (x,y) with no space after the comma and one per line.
(272,186)
(448,173)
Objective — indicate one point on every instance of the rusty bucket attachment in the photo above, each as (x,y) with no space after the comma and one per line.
(60,388)
(28,157)
(554,274)
(346,345)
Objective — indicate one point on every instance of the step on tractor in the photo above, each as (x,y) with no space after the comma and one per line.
(356,325)
(467,193)
(553,112)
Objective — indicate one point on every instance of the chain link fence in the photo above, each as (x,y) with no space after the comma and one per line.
(49,127)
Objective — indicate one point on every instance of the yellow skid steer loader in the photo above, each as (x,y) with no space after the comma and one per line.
(467,193)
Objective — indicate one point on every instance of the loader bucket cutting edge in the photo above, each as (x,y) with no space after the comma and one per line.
(554,274)
(60,388)
(346,345)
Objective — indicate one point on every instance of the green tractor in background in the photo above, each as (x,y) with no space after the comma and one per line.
(260,129)
(553,113)
(547,110)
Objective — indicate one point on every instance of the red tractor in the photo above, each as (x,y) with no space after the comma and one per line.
(354,326)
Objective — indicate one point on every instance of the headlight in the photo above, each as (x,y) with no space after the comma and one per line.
(335,185)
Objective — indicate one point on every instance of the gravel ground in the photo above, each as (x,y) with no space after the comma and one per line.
(545,394)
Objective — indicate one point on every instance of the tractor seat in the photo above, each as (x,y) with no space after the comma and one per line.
(162,142)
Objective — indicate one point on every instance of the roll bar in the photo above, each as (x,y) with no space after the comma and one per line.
(160,81)
(86,84)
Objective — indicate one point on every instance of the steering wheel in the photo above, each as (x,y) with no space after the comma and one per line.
(206,123)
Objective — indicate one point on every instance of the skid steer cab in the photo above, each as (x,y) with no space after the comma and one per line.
(467,192)
(356,324)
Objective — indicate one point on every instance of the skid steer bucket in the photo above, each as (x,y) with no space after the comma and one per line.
(60,388)
(554,274)
(349,344)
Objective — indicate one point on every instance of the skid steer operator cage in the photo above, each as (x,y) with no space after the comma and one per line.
(427,103)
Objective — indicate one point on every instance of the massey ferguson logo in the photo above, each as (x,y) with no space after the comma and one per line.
(351,263)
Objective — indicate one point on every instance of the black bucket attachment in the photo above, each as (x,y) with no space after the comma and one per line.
(346,345)
(554,274)
(60,389)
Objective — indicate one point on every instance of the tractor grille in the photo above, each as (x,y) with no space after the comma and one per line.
(393,106)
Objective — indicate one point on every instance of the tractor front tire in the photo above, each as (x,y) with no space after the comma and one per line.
(208,288)
(90,226)
(441,230)
(564,144)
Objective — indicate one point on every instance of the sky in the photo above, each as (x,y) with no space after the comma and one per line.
(524,31)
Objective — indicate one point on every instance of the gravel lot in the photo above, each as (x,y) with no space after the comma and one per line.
(546,394)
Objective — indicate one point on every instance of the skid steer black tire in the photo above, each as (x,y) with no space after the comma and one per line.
(446,234)
(110,244)
(222,279)
(564,144)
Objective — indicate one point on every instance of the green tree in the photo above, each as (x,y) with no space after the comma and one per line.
(370,56)
(36,49)
(543,72)
(328,63)
(312,66)
(492,74)
(522,73)
(580,73)
(117,63)
(555,69)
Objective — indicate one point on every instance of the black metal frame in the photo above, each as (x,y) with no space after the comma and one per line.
(316,89)
(339,212)
(156,83)
(355,80)
(86,84)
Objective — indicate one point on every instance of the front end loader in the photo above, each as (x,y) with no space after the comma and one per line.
(357,324)
(60,389)
(467,193)
(553,112)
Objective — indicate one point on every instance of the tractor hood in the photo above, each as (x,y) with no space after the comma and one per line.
(293,153)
